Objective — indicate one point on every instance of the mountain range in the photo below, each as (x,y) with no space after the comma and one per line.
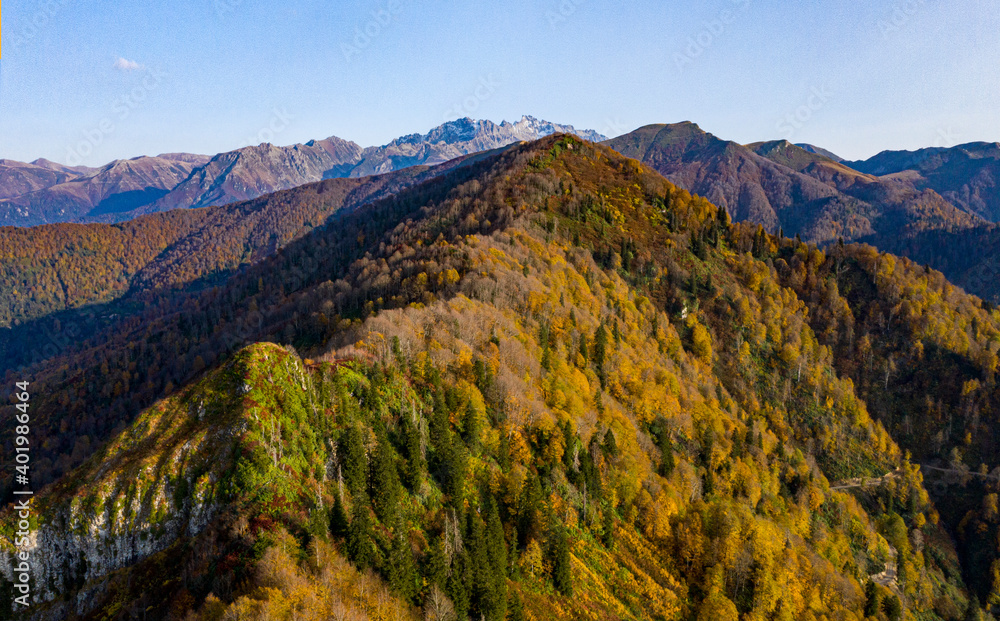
(537,382)
(905,202)
(43,192)
(472,374)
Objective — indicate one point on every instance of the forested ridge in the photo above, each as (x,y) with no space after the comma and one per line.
(544,384)
(63,283)
(52,267)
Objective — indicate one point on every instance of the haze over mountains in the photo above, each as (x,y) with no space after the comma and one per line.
(42,192)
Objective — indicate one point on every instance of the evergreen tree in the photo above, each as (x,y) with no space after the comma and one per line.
(361,547)
(739,439)
(667,460)
(455,472)
(608,524)
(416,466)
(697,245)
(460,584)
(436,564)
(495,604)
(475,544)
(559,558)
(600,351)
(352,459)
(401,569)
(472,428)
(384,480)
(338,518)
(569,446)
(722,217)
(892,607)
(529,523)
(693,285)
(610,444)
(974,611)
(873,601)
(515,610)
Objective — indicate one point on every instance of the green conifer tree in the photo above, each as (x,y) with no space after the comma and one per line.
(559,558)
(436,564)
(610,444)
(667,460)
(353,462)
(338,518)
(600,351)
(495,604)
(384,484)
(401,568)
(529,523)
(472,427)
(416,465)
(361,547)
(460,584)
(515,610)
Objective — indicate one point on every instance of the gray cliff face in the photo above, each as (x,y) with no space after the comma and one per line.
(135,504)
(161,481)
(80,548)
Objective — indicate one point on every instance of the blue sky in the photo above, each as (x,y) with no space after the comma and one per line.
(87,82)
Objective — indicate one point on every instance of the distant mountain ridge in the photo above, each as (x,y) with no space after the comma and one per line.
(111,192)
(966,175)
(45,192)
(937,206)
(819,151)
(783,186)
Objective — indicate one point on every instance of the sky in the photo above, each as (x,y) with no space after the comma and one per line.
(86,82)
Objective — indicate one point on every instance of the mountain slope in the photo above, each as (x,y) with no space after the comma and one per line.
(966,175)
(31,195)
(84,278)
(17,178)
(812,163)
(457,138)
(785,187)
(53,267)
(549,382)
(117,188)
(820,151)
(254,171)
(751,187)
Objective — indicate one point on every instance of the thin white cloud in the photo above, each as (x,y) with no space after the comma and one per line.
(123,64)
